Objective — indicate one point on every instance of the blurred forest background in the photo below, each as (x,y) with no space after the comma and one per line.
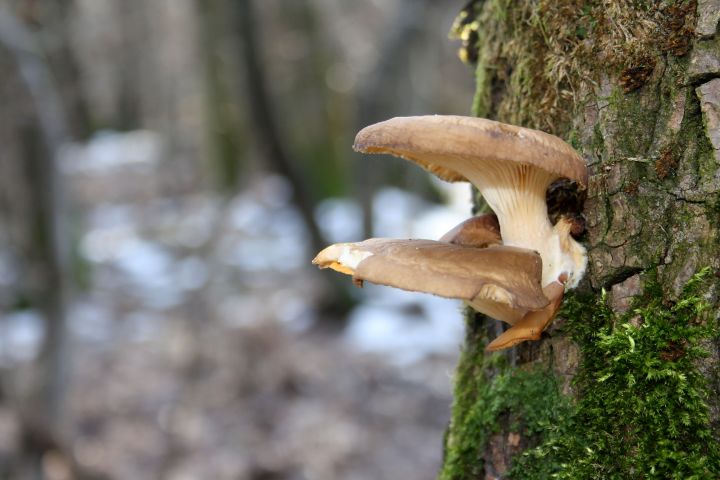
(168,169)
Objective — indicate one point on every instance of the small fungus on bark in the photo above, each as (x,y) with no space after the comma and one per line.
(521,281)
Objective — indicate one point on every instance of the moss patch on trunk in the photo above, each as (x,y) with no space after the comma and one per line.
(641,409)
(481,402)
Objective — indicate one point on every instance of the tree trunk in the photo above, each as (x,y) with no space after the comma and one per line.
(40,143)
(265,122)
(625,382)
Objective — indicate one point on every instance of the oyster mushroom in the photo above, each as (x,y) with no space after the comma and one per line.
(512,167)
(507,283)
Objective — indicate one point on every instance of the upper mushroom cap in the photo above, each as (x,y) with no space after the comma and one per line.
(501,274)
(439,142)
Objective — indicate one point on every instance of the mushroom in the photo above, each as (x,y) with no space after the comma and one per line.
(481,232)
(507,283)
(512,167)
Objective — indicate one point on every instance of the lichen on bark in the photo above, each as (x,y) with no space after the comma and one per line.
(632,87)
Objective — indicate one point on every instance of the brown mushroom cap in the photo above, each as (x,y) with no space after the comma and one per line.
(506,275)
(480,232)
(436,142)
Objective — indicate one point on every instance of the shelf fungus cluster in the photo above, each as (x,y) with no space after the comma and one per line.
(514,265)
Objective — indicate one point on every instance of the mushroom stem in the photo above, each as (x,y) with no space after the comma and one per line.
(516,193)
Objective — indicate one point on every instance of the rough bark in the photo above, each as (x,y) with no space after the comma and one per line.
(634,87)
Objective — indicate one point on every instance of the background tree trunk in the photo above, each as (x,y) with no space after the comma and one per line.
(634,87)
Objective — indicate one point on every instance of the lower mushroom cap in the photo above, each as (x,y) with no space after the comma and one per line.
(499,274)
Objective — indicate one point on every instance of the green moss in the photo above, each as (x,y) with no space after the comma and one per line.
(642,403)
(530,398)
(482,106)
(641,407)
